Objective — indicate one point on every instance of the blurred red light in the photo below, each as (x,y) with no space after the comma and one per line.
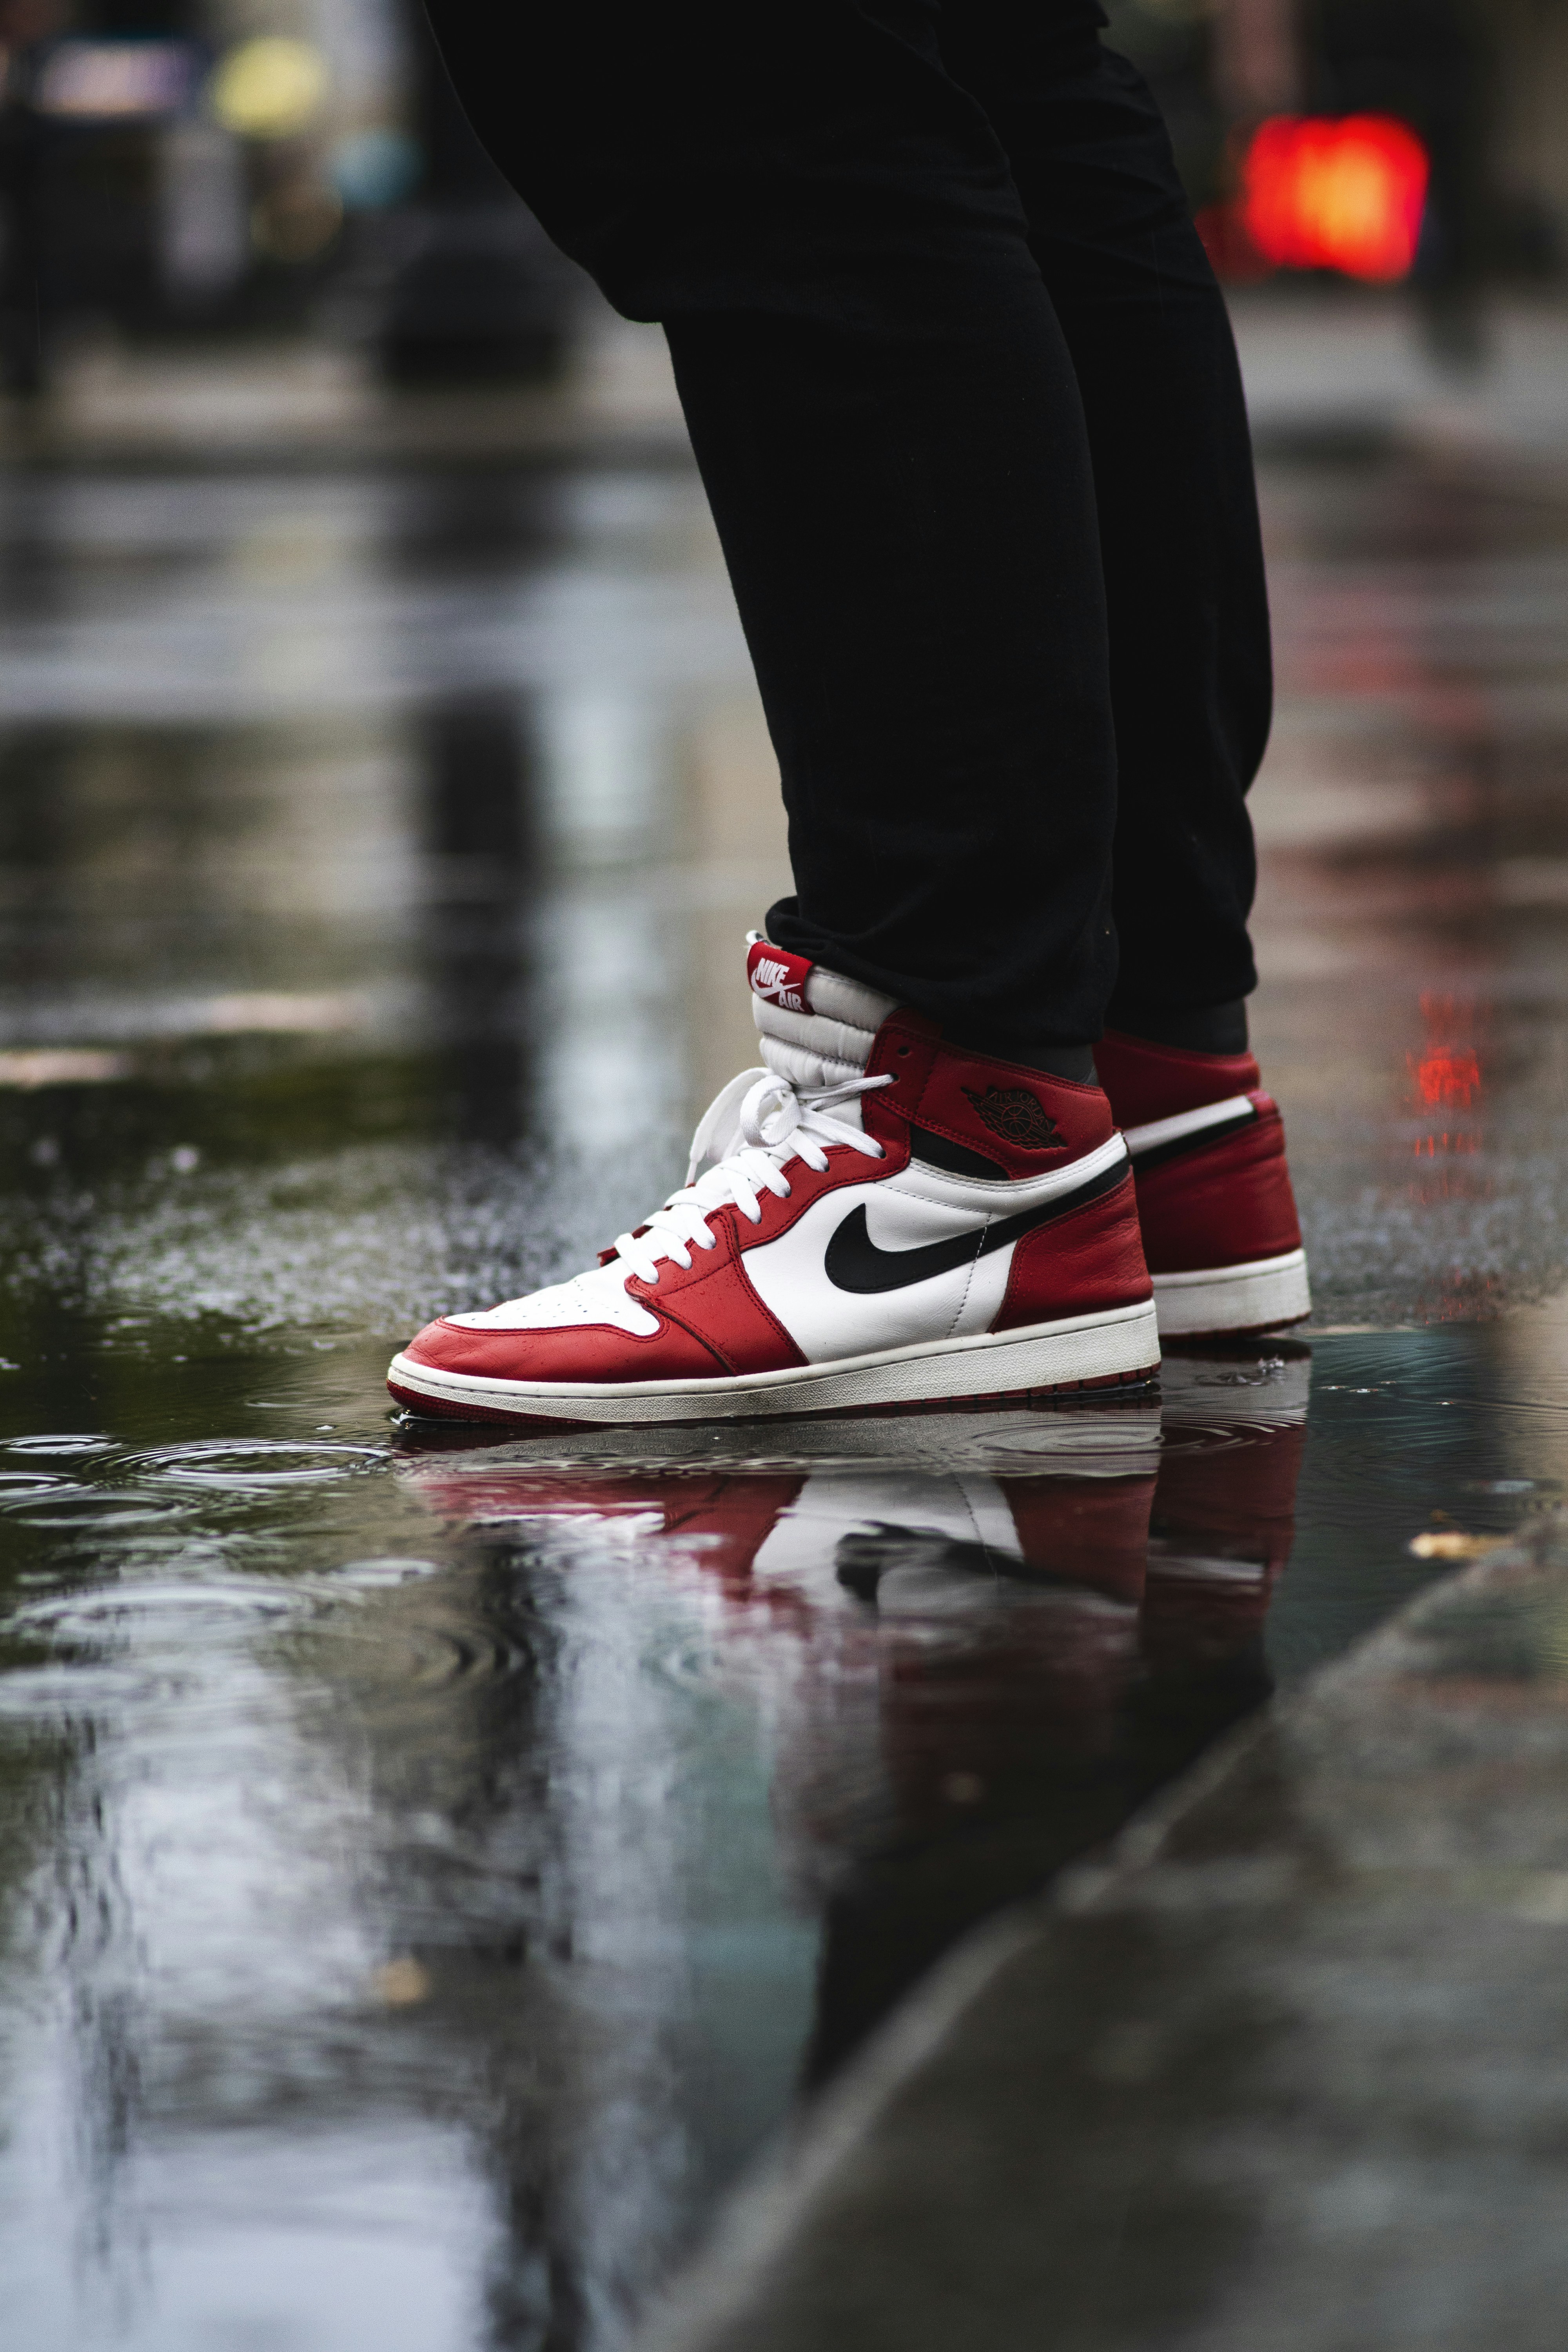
(1325,193)
(1447,1074)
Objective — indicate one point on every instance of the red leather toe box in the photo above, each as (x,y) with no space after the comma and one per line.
(596,1352)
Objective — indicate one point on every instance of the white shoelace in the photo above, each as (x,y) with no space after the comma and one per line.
(751,1131)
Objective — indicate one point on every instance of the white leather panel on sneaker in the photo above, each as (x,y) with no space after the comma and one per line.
(908,1211)
(599,1296)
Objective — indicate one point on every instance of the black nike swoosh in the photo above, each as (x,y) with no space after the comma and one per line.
(956,1158)
(853,1261)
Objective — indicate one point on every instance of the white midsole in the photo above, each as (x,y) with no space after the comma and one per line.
(1252,1296)
(993,1363)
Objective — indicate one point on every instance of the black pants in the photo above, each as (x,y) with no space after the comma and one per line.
(965,400)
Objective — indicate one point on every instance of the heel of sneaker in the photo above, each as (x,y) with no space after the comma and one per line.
(1091,1259)
(1259,1295)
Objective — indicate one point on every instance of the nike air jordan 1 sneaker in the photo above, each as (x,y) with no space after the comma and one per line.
(1220,1231)
(873,1220)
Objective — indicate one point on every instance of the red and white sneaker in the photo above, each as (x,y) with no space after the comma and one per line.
(888,1221)
(1220,1229)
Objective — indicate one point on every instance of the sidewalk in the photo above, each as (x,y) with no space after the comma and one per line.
(1290,2074)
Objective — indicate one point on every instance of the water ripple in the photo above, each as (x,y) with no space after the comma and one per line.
(408,1652)
(68,1442)
(116,1608)
(256,1464)
(83,1508)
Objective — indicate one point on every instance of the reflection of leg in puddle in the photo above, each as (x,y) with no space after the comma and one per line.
(1116,1663)
(1003,1682)
(1224,1514)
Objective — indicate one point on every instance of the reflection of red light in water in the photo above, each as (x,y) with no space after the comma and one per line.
(1448,1183)
(1343,194)
(1447,1074)
(1463,1298)
(1447,1077)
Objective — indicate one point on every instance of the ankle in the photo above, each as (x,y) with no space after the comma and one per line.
(1073,1063)
(1024,1120)
(1202,1029)
(1146,1081)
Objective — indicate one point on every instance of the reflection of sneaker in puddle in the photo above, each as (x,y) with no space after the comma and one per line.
(888,1221)
(944,1546)
(869,1512)
(1214,1190)
(1224,1507)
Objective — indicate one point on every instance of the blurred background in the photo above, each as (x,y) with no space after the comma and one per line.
(422,1890)
(375,706)
(225,171)
(223,175)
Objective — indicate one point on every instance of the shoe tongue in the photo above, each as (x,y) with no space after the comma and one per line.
(795,991)
(817,1028)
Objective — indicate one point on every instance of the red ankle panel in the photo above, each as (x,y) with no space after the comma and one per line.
(1147,1082)
(1024,1122)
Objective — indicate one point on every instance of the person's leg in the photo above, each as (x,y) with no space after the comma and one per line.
(922,1197)
(891,433)
(1152,346)
(1183,562)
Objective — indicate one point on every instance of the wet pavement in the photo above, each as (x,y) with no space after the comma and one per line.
(1285,2067)
(431,1868)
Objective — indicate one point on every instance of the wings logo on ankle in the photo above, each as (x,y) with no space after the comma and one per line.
(1015,1114)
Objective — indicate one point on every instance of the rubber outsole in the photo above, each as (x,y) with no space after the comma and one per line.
(1264,1295)
(1046,1360)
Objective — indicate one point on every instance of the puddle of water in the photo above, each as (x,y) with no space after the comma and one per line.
(494,1838)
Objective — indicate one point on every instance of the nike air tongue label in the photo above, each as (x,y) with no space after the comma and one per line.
(778,977)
